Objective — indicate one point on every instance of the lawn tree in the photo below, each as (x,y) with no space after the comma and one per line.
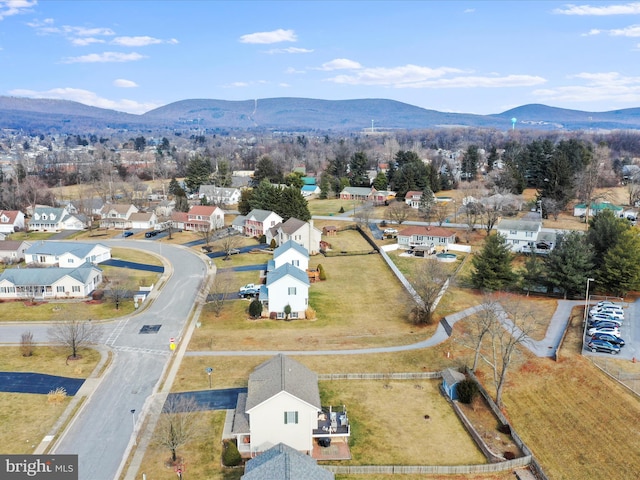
(441,212)
(492,208)
(472,214)
(589,178)
(358,170)
(255,308)
(229,242)
(550,207)
(492,269)
(380,182)
(620,270)
(397,212)
(470,162)
(219,292)
(205,233)
(178,424)
(74,334)
(266,169)
(604,231)
(363,214)
(533,274)
(27,344)
(427,204)
(117,289)
(569,264)
(198,173)
(482,324)
(428,281)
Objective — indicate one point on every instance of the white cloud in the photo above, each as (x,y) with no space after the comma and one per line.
(122,83)
(292,71)
(289,50)
(140,41)
(623,9)
(83,42)
(631,31)
(9,8)
(593,31)
(237,85)
(340,64)
(284,85)
(604,86)
(88,98)
(275,36)
(105,57)
(469,10)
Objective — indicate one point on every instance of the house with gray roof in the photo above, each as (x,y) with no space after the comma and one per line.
(526,236)
(287,286)
(357,193)
(52,219)
(219,195)
(117,216)
(257,222)
(66,254)
(282,462)
(299,231)
(49,283)
(282,405)
(289,252)
(12,251)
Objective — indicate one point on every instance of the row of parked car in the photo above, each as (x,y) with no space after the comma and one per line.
(605,320)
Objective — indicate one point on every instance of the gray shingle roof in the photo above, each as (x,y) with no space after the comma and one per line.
(240,418)
(279,374)
(46,276)
(520,225)
(292,225)
(284,270)
(290,244)
(259,215)
(282,462)
(78,249)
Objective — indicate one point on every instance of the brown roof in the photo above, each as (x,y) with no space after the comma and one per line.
(140,216)
(429,232)
(179,216)
(292,225)
(10,214)
(204,210)
(9,245)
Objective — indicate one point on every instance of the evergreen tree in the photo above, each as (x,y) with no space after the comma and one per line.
(358,170)
(492,266)
(380,182)
(411,174)
(427,204)
(570,263)
(294,179)
(198,173)
(470,162)
(604,232)
(244,204)
(620,271)
(293,204)
(182,204)
(533,273)
(174,186)
(266,169)
(325,187)
(266,196)
(222,177)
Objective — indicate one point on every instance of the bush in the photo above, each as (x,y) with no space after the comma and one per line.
(467,390)
(230,455)
(504,428)
(255,308)
(341,210)
(321,273)
(262,239)
(272,245)
(310,313)
(509,455)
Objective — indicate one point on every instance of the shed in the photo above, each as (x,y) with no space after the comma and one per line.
(330,230)
(450,380)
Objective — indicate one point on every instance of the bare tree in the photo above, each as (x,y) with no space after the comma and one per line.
(429,279)
(205,234)
(633,189)
(229,242)
(218,293)
(117,289)
(441,212)
(552,207)
(178,424)
(26,344)
(74,334)
(363,214)
(398,212)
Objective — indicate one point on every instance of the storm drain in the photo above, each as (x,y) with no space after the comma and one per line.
(150,329)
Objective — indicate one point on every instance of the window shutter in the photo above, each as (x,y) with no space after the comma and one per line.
(296,416)
(285,418)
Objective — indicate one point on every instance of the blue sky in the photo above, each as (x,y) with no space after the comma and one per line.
(453,56)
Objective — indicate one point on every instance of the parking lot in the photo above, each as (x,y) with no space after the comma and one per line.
(629,331)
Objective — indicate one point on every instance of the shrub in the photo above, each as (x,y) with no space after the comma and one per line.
(310,313)
(287,311)
(272,245)
(341,210)
(467,390)
(262,239)
(321,273)
(504,428)
(26,344)
(57,396)
(230,455)
(255,308)
(509,455)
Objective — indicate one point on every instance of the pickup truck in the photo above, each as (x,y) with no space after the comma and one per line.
(249,290)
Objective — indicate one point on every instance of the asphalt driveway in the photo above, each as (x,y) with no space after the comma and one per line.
(222,399)
(27,382)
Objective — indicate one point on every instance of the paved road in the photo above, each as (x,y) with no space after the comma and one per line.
(102,429)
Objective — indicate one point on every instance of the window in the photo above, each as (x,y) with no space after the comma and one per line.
(60,289)
(513,232)
(529,234)
(290,417)
(295,263)
(7,289)
(291,290)
(75,289)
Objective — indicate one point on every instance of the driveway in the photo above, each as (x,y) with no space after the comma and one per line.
(133,265)
(222,399)
(27,382)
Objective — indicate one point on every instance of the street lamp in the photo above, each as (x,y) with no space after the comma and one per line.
(586,306)
(133,420)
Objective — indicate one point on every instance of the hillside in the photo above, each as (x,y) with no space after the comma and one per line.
(296,114)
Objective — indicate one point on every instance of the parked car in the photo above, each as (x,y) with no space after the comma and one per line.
(609,338)
(608,321)
(234,251)
(602,303)
(604,325)
(127,234)
(603,346)
(609,330)
(390,231)
(249,290)
(151,233)
(608,310)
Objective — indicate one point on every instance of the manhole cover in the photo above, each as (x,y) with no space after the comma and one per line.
(150,328)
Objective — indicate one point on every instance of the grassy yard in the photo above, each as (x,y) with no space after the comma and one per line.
(20,434)
(330,206)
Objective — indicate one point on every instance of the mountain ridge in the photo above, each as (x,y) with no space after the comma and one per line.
(299,114)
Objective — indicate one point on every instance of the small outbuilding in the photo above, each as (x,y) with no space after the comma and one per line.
(450,380)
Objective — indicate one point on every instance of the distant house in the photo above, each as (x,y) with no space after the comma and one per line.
(49,283)
(421,236)
(179,220)
(257,222)
(116,216)
(219,195)
(238,223)
(12,251)
(201,218)
(11,221)
(382,197)
(299,231)
(282,405)
(143,220)
(413,198)
(520,235)
(595,208)
(66,254)
(165,208)
(287,286)
(283,462)
(356,193)
(52,219)
(308,190)
(450,380)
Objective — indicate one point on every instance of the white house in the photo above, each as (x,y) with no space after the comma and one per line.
(281,406)
(52,219)
(116,216)
(308,190)
(11,221)
(49,283)
(282,462)
(299,231)
(292,253)
(287,286)
(12,251)
(257,222)
(219,195)
(66,254)
(202,218)
(581,209)
(412,198)
(143,220)
(519,234)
